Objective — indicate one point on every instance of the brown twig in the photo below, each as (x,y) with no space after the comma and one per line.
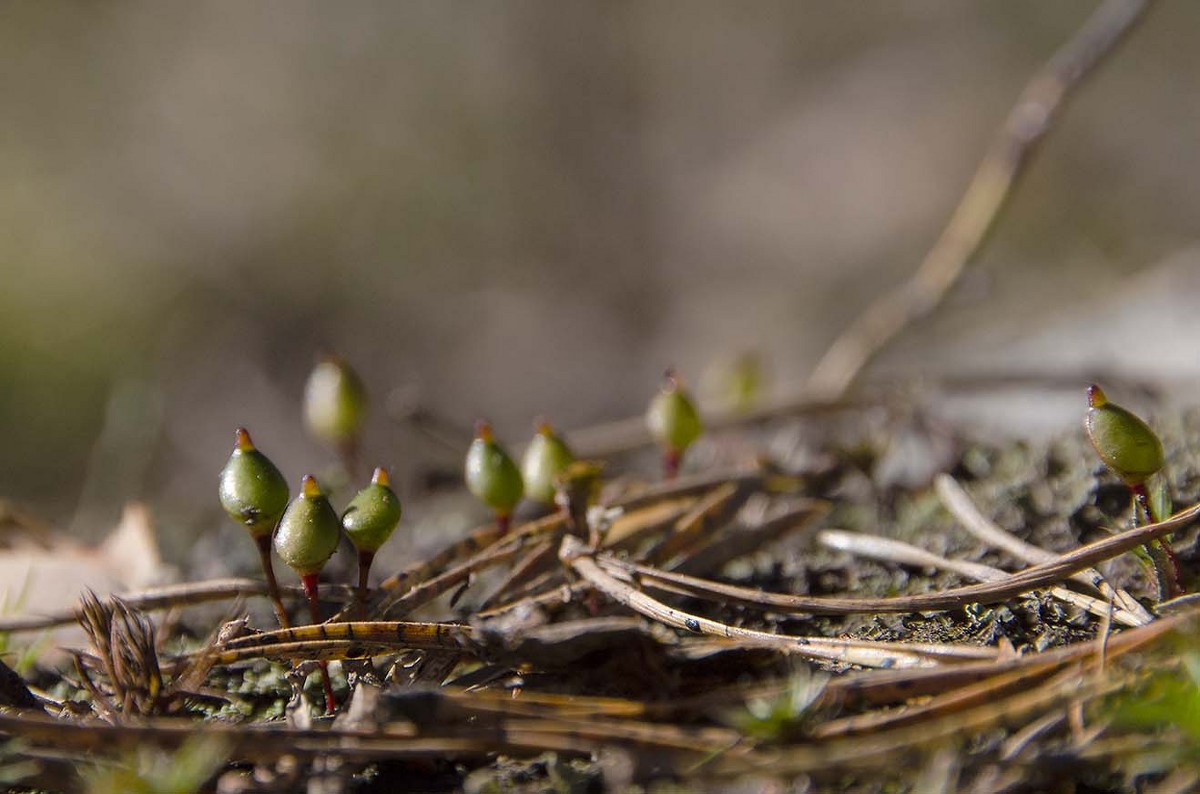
(166,597)
(860,652)
(1026,125)
(959,503)
(891,550)
(1031,578)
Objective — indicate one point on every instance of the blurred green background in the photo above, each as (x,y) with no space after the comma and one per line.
(529,208)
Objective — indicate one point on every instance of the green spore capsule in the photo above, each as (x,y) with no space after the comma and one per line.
(369,521)
(1134,453)
(308,531)
(373,514)
(252,490)
(674,422)
(491,474)
(545,458)
(255,494)
(1123,441)
(335,402)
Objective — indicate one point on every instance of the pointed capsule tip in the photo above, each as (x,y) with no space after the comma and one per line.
(309,486)
(242,440)
(543,427)
(1096,397)
(380,476)
(670,380)
(483,430)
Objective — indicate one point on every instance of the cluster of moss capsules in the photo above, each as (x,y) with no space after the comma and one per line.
(305,531)
(495,479)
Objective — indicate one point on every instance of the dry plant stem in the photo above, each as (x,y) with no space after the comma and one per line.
(959,504)
(480,539)
(987,690)
(311,582)
(711,512)
(535,561)
(263,542)
(166,597)
(889,550)
(401,740)
(987,593)
(856,752)
(745,540)
(1027,123)
(558,596)
(403,604)
(867,654)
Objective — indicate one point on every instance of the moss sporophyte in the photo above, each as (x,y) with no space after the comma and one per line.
(545,458)
(674,422)
(492,476)
(335,406)
(1132,451)
(254,493)
(307,537)
(369,521)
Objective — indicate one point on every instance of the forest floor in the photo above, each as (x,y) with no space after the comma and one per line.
(856,599)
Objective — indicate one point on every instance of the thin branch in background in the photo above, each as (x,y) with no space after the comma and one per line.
(1026,125)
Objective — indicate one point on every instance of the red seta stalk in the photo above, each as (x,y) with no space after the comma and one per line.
(311,583)
(670,463)
(365,558)
(264,553)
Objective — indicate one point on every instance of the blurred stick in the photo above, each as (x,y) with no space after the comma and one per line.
(1027,123)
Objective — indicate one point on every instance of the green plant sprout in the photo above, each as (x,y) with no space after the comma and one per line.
(492,476)
(545,458)
(26,657)
(1132,450)
(369,521)
(254,493)
(335,406)
(674,422)
(784,715)
(153,770)
(307,537)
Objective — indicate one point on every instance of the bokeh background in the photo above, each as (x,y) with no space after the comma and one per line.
(533,207)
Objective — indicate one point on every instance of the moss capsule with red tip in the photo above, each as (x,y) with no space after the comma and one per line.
(307,537)
(308,531)
(335,405)
(492,476)
(252,490)
(1123,441)
(369,521)
(1133,451)
(674,422)
(254,493)
(545,458)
